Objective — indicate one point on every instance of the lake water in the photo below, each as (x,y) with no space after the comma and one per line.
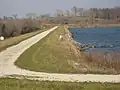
(104,39)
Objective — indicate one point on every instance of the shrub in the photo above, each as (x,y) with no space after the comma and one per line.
(12,28)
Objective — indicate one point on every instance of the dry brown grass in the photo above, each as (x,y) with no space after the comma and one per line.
(103,62)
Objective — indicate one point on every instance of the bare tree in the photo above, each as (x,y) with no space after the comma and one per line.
(68,13)
(15,16)
(59,13)
(31,15)
(5,17)
(80,11)
(94,12)
(74,10)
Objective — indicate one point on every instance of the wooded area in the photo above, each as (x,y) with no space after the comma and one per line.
(103,13)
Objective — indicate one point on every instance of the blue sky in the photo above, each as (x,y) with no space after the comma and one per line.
(22,7)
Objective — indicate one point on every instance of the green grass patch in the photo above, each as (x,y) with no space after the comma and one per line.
(16,40)
(49,55)
(14,84)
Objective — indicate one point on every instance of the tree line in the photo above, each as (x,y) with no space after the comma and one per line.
(12,28)
(102,13)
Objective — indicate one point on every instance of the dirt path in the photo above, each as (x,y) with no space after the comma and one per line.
(10,55)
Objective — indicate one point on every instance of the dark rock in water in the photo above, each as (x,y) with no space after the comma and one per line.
(111,46)
(86,47)
(93,46)
(117,41)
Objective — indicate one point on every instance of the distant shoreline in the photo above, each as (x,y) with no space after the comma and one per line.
(92,25)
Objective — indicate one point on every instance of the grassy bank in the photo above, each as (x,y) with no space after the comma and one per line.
(50,55)
(14,84)
(15,40)
(61,56)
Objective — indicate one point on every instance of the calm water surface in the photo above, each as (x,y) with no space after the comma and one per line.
(104,39)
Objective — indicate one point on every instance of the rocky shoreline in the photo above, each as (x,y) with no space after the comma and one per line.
(74,44)
(79,46)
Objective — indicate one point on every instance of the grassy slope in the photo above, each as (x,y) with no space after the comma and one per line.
(56,56)
(14,84)
(49,55)
(15,40)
